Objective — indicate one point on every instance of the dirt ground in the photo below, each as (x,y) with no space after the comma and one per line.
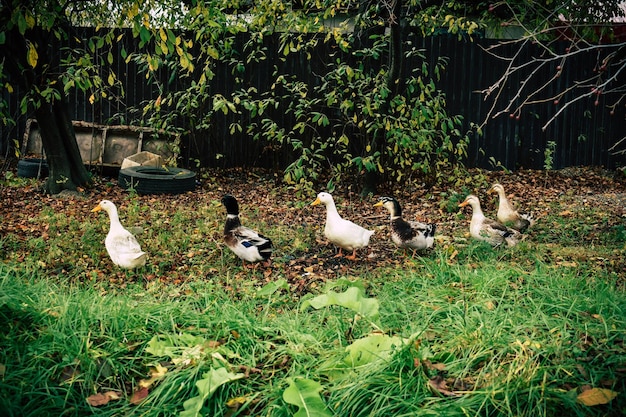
(538,192)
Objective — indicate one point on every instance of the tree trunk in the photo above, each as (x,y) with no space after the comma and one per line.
(66,168)
(395,83)
(67,171)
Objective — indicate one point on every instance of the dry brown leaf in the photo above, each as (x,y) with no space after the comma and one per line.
(440,386)
(596,396)
(139,396)
(99,399)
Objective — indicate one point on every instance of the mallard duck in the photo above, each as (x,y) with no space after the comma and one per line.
(507,214)
(341,232)
(247,244)
(121,245)
(488,230)
(407,234)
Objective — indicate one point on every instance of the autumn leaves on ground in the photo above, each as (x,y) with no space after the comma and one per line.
(532,330)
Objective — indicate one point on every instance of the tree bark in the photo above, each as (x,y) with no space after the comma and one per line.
(66,168)
(67,171)
(395,83)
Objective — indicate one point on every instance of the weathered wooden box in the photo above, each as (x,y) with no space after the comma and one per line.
(103,145)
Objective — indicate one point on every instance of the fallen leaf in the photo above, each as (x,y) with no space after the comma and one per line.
(236,402)
(139,396)
(596,396)
(158,371)
(438,383)
(99,399)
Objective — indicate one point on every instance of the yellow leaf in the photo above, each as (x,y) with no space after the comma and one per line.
(111,79)
(596,396)
(162,34)
(30,20)
(158,371)
(9,87)
(92,99)
(32,55)
(212,52)
(184,62)
(236,402)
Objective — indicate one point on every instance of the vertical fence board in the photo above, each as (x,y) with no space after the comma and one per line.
(513,143)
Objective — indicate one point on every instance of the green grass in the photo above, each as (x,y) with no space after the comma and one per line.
(516,332)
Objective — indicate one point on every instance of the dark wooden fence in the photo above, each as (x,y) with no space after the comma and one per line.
(582,135)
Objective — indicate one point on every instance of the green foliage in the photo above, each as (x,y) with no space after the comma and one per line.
(304,393)
(548,155)
(356,124)
(209,383)
(465,330)
(353,298)
(341,122)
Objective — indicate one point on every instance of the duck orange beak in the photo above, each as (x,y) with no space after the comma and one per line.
(316,202)
(96,208)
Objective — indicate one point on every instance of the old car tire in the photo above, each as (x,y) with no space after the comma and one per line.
(154,180)
(29,168)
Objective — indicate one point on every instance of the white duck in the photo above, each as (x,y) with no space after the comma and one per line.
(247,244)
(407,234)
(121,245)
(488,230)
(341,232)
(507,214)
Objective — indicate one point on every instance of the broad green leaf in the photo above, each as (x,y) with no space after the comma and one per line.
(172,345)
(272,287)
(304,394)
(211,381)
(21,23)
(371,349)
(353,298)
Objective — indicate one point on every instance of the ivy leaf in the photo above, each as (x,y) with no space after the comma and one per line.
(353,298)
(206,387)
(304,393)
(596,396)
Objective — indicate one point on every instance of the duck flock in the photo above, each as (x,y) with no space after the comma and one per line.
(253,247)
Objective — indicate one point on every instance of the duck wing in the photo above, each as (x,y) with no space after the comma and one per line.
(248,244)
(123,243)
(347,234)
